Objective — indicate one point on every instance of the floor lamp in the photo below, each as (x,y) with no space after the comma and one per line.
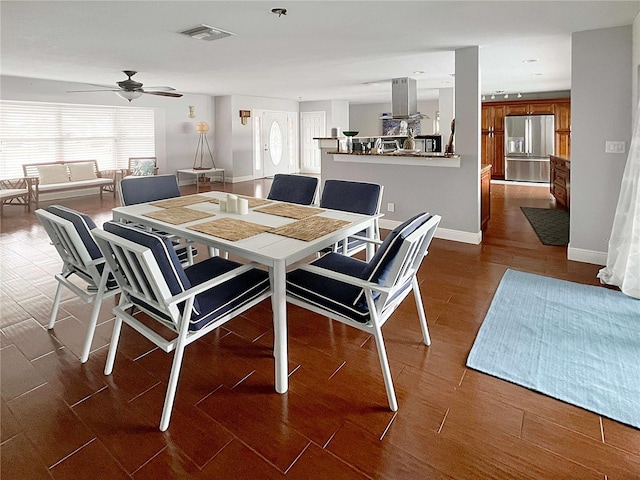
(202,128)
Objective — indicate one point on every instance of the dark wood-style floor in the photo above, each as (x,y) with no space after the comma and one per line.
(65,420)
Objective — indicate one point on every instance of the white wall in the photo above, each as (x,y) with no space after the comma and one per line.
(365,118)
(337,113)
(176,137)
(600,59)
(235,141)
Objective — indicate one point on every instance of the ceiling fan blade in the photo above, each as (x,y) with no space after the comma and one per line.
(102,90)
(160,89)
(164,94)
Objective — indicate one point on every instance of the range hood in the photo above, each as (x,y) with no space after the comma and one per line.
(404,100)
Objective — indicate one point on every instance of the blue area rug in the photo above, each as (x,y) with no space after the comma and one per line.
(577,343)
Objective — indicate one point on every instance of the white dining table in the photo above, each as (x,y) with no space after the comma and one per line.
(275,252)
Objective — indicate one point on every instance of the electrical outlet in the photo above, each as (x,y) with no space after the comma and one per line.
(391,207)
(614,147)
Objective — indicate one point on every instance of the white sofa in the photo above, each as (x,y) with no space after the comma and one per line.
(69,175)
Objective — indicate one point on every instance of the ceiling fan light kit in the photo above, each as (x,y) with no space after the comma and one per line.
(129,95)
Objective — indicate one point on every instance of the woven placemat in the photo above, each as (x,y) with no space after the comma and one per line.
(178,215)
(230,229)
(253,201)
(182,201)
(290,210)
(310,228)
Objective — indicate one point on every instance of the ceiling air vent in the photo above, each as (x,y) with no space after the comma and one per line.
(206,32)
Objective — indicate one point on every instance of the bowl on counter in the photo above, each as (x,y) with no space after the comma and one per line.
(350,133)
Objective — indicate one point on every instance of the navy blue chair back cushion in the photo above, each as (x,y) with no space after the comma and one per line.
(355,197)
(148,188)
(163,252)
(83,225)
(293,188)
(379,267)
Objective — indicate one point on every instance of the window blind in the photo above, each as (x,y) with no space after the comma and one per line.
(46,132)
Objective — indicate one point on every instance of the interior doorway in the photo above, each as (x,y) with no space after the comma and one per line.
(312,125)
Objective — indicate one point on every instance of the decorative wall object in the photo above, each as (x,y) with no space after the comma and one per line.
(394,126)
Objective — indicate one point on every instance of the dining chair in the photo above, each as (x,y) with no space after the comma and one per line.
(356,197)
(71,233)
(362,294)
(142,189)
(188,302)
(293,189)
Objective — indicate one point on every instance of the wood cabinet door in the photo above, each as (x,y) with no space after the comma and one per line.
(498,155)
(485,198)
(563,116)
(541,108)
(521,109)
(498,118)
(562,145)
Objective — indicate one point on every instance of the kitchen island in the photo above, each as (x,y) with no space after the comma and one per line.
(443,184)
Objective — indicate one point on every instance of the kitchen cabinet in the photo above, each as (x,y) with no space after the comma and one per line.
(493,114)
(560,183)
(563,129)
(485,196)
(493,138)
(529,108)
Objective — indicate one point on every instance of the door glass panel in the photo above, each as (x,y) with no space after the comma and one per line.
(275,143)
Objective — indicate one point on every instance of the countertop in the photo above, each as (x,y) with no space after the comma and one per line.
(400,154)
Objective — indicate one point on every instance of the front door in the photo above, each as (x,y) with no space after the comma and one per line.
(275,143)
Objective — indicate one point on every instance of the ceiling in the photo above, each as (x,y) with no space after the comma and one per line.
(341,50)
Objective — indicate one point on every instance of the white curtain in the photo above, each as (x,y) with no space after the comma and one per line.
(623,257)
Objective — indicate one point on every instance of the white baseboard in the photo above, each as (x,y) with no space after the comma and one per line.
(586,256)
(246,178)
(443,233)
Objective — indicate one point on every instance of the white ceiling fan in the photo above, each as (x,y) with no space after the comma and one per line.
(129,89)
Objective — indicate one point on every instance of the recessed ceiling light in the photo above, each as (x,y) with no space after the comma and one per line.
(279,11)
(418,72)
(536,74)
(530,60)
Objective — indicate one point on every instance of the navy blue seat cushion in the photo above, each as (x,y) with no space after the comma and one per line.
(355,197)
(84,224)
(151,188)
(210,304)
(293,188)
(330,294)
(345,299)
(224,298)
(162,250)
(379,267)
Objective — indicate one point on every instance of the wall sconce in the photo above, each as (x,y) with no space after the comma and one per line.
(192,111)
(244,114)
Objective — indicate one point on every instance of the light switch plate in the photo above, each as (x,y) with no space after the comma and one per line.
(614,147)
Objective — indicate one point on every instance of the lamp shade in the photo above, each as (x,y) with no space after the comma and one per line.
(202,127)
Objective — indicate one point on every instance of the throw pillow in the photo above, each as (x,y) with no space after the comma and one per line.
(49,174)
(82,171)
(142,168)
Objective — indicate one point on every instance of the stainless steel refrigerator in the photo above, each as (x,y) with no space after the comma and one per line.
(528,142)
